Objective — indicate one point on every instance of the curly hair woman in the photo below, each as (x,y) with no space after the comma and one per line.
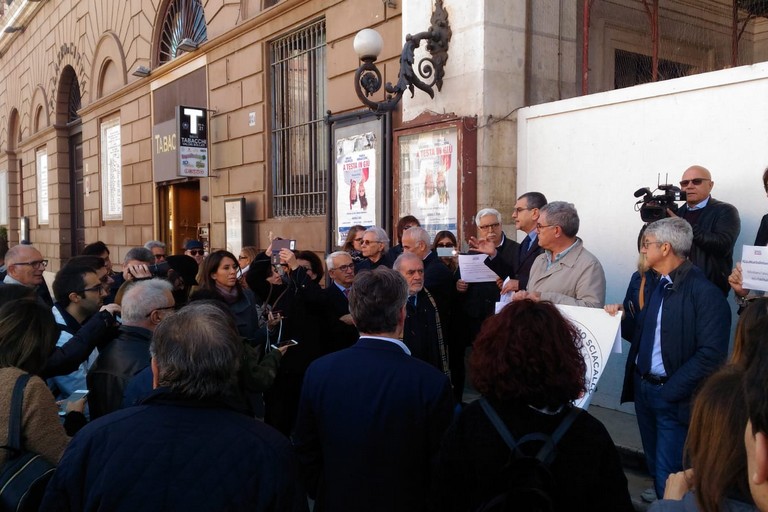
(527,363)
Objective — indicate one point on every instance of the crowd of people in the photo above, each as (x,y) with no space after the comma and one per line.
(221,381)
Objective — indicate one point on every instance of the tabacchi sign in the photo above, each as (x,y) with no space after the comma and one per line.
(192,123)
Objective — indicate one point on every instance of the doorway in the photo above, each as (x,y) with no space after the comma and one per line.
(179,207)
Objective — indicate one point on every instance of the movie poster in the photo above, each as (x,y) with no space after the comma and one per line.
(356,180)
(429,179)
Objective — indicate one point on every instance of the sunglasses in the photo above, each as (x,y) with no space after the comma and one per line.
(159,256)
(196,252)
(446,244)
(695,181)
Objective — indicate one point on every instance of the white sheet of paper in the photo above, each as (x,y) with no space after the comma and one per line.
(474,270)
(754,267)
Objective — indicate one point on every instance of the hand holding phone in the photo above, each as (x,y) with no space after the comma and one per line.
(284,344)
(74,402)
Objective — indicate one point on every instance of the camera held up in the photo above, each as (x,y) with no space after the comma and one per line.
(653,205)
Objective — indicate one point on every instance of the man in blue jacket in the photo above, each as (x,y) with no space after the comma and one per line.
(679,332)
(371,417)
(185,447)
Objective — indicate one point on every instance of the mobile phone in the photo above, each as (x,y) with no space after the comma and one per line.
(76,395)
(277,245)
(446,252)
(284,343)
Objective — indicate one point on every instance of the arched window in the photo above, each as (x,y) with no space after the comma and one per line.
(184,19)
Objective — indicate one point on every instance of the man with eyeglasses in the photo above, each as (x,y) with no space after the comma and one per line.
(145,304)
(26,266)
(158,250)
(341,330)
(422,331)
(526,216)
(374,248)
(716,226)
(679,327)
(195,249)
(79,297)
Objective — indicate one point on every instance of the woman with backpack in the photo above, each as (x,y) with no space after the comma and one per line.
(528,366)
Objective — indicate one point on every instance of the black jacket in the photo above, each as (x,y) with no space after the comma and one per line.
(118,362)
(762,232)
(519,268)
(714,236)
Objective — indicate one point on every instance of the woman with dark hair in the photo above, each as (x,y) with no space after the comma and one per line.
(528,366)
(751,330)
(218,280)
(718,480)
(28,334)
(354,242)
(312,265)
(446,240)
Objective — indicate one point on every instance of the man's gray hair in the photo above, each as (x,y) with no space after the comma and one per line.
(487,211)
(381,235)
(563,214)
(406,256)
(376,299)
(139,254)
(419,234)
(142,298)
(198,352)
(329,259)
(16,254)
(154,243)
(675,231)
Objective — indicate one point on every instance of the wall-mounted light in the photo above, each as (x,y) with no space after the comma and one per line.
(141,71)
(187,45)
(368,44)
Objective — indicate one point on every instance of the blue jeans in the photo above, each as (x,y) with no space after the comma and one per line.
(661,432)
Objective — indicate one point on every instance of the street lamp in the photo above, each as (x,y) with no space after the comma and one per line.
(368,44)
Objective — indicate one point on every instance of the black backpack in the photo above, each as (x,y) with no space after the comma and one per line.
(530,486)
(24,476)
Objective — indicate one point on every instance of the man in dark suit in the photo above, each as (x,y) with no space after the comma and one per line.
(371,417)
(423,332)
(341,330)
(679,338)
(526,215)
(716,226)
(438,278)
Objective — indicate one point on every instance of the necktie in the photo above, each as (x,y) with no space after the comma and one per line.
(645,350)
(525,246)
(346,293)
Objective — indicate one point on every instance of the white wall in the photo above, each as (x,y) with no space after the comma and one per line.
(595,151)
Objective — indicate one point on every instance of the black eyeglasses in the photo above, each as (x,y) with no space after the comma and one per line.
(160,309)
(344,268)
(159,256)
(539,227)
(95,288)
(446,244)
(34,264)
(242,257)
(518,209)
(369,242)
(196,252)
(695,181)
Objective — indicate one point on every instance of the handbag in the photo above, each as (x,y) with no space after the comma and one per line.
(25,475)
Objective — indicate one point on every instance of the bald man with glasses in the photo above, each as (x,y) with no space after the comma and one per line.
(25,266)
(715,224)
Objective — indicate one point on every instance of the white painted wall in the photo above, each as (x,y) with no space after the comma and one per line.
(595,151)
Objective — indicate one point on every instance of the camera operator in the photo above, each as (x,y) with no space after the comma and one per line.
(715,224)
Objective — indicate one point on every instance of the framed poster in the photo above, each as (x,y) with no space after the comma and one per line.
(234,212)
(434,175)
(358,173)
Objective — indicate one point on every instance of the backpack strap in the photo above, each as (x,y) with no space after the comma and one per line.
(14,422)
(547,452)
(498,423)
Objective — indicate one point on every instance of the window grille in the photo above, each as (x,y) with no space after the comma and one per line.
(183,19)
(299,142)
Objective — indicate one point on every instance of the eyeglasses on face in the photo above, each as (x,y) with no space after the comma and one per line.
(345,268)
(648,243)
(369,242)
(518,209)
(241,257)
(196,252)
(539,227)
(159,256)
(166,308)
(38,264)
(446,244)
(486,227)
(95,288)
(695,181)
